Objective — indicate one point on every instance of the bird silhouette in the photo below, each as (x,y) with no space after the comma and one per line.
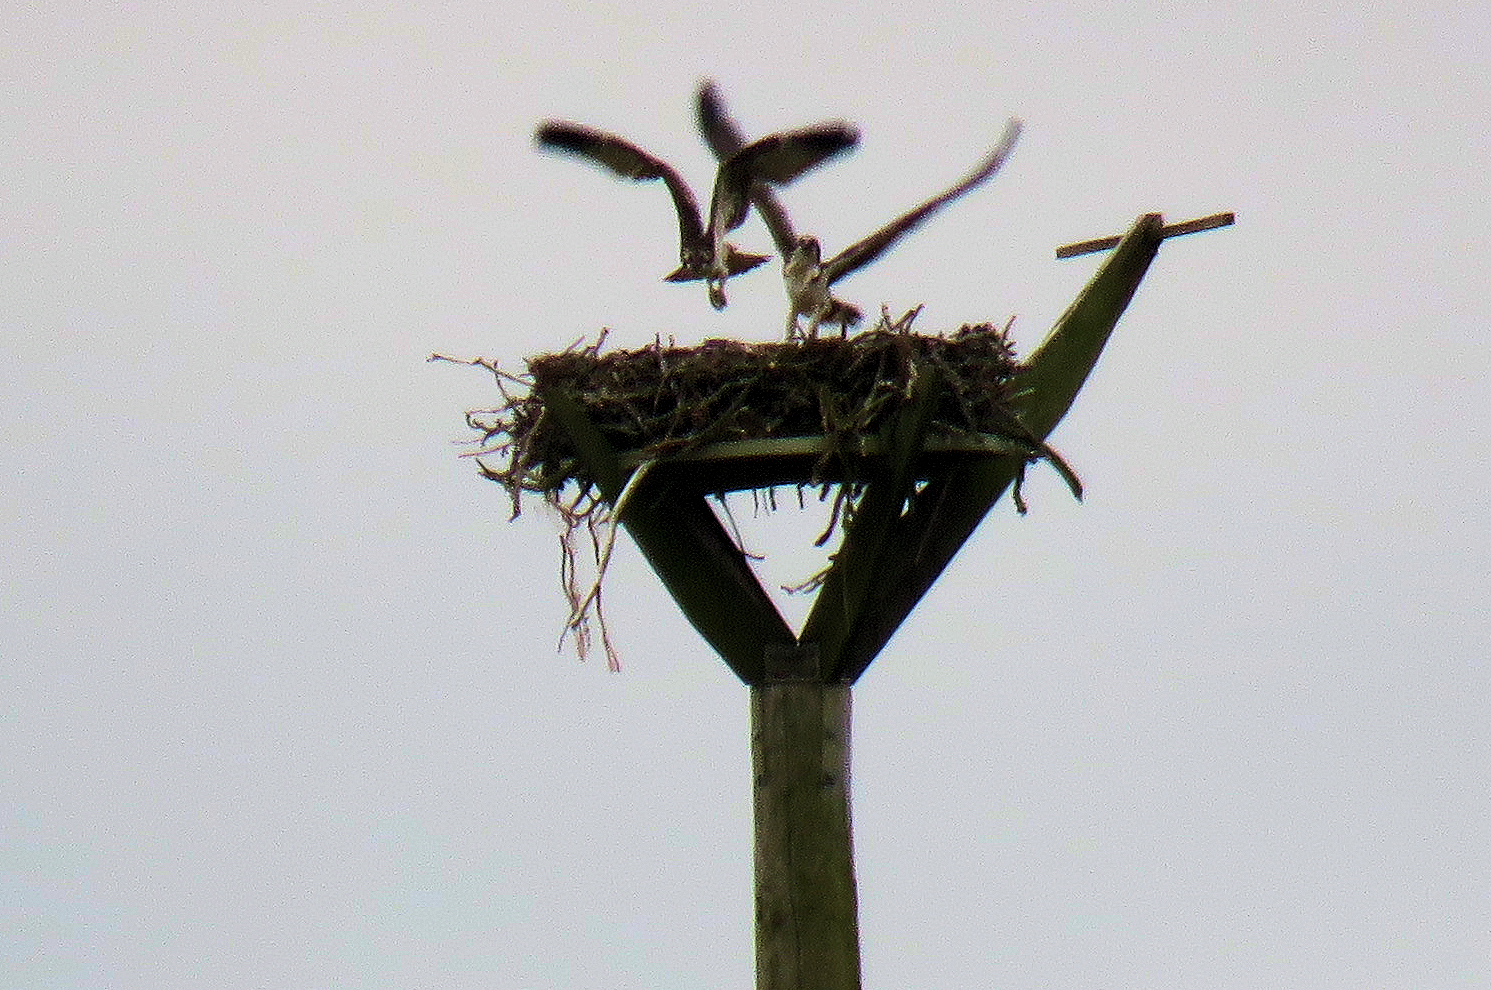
(807,276)
(725,138)
(703,252)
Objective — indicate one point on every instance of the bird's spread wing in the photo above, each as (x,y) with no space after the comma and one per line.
(863,252)
(721,133)
(725,138)
(629,162)
(776,158)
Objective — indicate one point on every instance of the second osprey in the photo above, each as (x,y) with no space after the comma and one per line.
(808,275)
(703,252)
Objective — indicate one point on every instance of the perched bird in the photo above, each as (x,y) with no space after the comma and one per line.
(703,252)
(808,277)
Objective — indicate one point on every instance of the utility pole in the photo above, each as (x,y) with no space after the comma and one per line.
(916,507)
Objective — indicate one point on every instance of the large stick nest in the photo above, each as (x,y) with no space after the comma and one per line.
(665,400)
(662,399)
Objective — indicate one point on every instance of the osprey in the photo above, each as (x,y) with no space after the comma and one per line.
(703,252)
(725,139)
(807,276)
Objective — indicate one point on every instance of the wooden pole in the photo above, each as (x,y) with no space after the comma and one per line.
(807,927)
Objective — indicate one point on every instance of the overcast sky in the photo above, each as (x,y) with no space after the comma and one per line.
(282,705)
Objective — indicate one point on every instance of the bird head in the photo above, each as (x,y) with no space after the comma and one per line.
(808,247)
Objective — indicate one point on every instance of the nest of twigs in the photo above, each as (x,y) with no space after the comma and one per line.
(662,400)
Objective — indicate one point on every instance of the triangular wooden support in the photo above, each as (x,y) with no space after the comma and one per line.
(897,542)
(900,538)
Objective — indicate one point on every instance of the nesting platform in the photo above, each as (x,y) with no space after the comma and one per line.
(727,416)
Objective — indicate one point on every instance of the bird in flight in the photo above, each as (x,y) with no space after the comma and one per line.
(703,252)
(725,139)
(807,275)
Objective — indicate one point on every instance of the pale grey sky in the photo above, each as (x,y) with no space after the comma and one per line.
(282,703)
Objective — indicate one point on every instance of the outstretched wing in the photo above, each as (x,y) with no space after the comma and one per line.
(630,162)
(776,158)
(863,252)
(725,138)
